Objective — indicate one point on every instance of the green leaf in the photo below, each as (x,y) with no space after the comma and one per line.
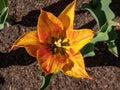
(100,10)
(3,18)
(111,43)
(46,80)
(108,12)
(88,50)
(112,48)
(3,13)
(95,9)
(102,35)
(3,3)
(104,17)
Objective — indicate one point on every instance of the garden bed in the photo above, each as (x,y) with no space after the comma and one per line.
(19,71)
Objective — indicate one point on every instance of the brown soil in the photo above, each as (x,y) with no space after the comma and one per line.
(19,71)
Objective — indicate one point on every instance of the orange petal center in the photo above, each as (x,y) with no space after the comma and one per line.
(56,46)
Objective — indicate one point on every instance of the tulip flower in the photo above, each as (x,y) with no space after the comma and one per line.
(55,43)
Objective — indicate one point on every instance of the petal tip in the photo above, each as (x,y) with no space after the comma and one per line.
(89,77)
(12,48)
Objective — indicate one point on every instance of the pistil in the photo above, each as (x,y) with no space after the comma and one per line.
(57,46)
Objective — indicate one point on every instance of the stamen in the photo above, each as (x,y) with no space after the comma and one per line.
(57,46)
(58,43)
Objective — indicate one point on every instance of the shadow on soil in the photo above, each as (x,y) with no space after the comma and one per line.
(32,16)
(2,81)
(56,9)
(115,6)
(103,57)
(16,57)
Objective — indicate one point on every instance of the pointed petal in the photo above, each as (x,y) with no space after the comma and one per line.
(75,67)
(48,62)
(29,41)
(48,26)
(78,39)
(67,16)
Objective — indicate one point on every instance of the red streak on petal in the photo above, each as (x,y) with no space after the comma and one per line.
(71,51)
(46,69)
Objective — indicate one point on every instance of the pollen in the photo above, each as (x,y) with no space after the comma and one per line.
(58,43)
(57,46)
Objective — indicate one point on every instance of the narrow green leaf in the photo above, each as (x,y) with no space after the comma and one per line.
(46,80)
(3,13)
(112,48)
(108,12)
(88,50)
(96,11)
(111,43)
(3,18)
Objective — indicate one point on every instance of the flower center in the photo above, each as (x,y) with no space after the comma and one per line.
(58,43)
(57,46)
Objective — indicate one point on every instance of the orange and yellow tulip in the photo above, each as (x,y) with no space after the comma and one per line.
(55,43)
